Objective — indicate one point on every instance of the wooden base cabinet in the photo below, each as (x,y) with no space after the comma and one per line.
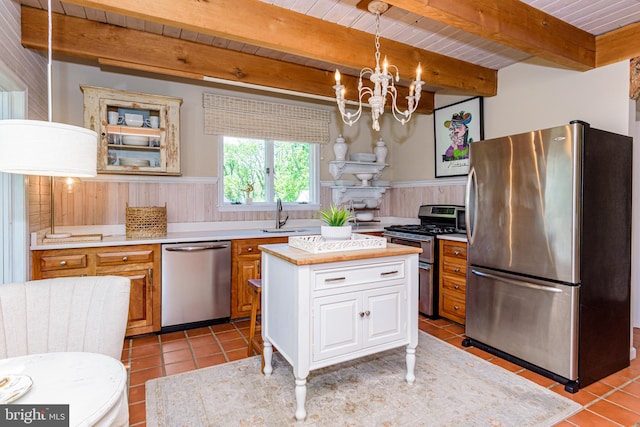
(139,263)
(246,264)
(453,280)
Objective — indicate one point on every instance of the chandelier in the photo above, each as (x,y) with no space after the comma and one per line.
(383,85)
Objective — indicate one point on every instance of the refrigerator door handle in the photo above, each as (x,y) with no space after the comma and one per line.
(515,281)
(470,212)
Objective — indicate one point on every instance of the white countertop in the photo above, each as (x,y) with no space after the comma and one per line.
(458,237)
(115,235)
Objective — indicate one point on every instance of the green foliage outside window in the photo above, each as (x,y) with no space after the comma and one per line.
(246,163)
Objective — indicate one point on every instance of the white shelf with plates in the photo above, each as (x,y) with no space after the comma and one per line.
(147,142)
(337,168)
(354,192)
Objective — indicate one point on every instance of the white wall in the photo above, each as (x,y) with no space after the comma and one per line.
(532,95)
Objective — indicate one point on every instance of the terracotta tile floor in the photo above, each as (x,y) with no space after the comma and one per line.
(613,401)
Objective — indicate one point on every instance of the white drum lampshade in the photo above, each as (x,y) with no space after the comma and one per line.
(34,147)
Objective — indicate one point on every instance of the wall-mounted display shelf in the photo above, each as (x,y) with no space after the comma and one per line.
(139,133)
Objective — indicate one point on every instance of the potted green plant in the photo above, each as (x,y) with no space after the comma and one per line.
(336,219)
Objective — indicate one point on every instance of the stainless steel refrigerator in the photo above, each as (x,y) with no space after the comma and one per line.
(548,218)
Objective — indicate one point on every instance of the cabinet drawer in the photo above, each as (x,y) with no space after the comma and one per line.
(453,308)
(455,250)
(356,275)
(250,246)
(125,257)
(454,285)
(63,262)
(455,267)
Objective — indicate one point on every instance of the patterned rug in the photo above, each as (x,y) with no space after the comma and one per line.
(452,388)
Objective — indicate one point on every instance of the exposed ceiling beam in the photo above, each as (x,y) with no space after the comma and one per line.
(260,24)
(514,24)
(618,45)
(113,45)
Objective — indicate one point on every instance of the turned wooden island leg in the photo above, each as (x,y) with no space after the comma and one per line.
(411,364)
(301,396)
(267,353)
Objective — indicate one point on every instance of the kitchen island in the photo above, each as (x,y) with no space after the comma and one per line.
(327,308)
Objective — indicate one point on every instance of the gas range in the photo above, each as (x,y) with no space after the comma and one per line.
(422,229)
(434,220)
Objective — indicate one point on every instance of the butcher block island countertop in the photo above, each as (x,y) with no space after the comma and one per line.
(319,309)
(301,257)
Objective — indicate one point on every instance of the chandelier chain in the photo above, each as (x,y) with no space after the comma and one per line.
(377,39)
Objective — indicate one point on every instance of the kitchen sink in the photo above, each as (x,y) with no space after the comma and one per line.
(291,230)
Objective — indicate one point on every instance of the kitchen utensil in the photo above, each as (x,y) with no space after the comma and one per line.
(364,177)
(364,216)
(133,119)
(114,118)
(135,140)
(127,161)
(362,157)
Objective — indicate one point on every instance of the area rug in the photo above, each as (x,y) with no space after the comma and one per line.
(452,388)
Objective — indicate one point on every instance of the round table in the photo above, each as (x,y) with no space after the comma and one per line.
(93,385)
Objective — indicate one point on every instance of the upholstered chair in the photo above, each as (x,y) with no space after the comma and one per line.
(64,314)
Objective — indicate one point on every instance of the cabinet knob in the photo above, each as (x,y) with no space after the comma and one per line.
(125,259)
(456,287)
(367,313)
(457,269)
(456,252)
(250,250)
(456,307)
(63,263)
(361,314)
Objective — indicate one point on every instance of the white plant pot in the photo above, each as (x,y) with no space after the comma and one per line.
(335,233)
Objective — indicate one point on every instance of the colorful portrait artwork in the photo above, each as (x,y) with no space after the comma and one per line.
(456,127)
(459,134)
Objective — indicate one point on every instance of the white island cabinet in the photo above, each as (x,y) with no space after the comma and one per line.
(323,309)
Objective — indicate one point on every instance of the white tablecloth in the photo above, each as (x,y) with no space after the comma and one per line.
(94,385)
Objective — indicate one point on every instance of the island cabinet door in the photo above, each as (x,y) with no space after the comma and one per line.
(337,325)
(385,315)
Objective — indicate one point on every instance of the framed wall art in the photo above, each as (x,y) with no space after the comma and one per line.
(456,126)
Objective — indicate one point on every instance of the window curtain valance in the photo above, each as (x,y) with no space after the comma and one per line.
(249,118)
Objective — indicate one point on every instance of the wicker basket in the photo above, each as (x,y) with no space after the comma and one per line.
(146,222)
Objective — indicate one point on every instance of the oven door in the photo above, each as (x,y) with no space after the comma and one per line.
(426,245)
(427,293)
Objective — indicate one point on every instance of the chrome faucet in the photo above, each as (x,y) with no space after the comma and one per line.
(279,223)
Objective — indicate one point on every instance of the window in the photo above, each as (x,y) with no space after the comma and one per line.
(266,170)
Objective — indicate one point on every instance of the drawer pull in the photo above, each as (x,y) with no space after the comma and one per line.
(125,259)
(63,263)
(456,252)
(249,249)
(456,287)
(387,273)
(457,269)
(456,307)
(335,279)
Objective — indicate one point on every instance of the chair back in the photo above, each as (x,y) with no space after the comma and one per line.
(64,314)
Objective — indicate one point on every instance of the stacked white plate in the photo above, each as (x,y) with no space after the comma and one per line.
(135,140)
(126,161)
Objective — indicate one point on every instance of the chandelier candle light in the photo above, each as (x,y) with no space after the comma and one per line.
(383,84)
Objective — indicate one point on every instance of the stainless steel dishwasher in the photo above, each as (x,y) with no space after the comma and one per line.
(196,284)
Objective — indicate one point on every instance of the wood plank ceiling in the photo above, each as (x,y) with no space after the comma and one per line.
(295,45)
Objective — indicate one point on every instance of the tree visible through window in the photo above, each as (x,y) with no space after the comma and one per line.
(272,168)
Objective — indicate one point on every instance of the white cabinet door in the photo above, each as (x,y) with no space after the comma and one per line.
(352,321)
(386,315)
(337,325)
